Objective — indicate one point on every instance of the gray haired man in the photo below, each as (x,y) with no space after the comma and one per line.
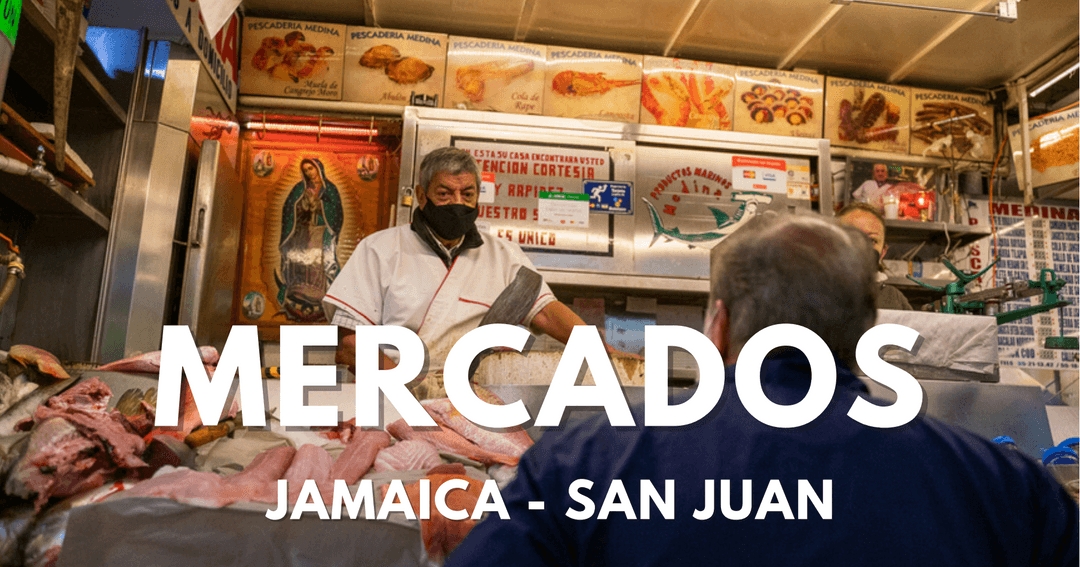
(438,275)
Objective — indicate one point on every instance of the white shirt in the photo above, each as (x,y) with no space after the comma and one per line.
(394,278)
(871,193)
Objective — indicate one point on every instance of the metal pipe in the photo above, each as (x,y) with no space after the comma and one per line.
(14,273)
(1008,14)
(1025,144)
(37,171)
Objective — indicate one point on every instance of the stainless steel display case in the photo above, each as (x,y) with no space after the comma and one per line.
(629,249)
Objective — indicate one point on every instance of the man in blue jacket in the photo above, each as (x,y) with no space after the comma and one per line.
(731,490)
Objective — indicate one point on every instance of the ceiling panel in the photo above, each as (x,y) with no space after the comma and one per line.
(751,33)
(493,19)
(986,53)
(869,42)
(634,26)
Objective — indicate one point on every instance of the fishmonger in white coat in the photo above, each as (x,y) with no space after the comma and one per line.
(438,275)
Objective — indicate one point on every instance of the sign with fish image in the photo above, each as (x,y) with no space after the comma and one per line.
(693,206)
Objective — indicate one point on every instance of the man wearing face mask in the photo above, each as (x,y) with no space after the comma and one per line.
(438,275)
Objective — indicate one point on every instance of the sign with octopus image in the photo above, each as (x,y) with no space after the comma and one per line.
(291,59)
(865,115)
(781,103)
(394,67)
(496,76)
(680,92)
(305,211)
(951,125)
(594,85)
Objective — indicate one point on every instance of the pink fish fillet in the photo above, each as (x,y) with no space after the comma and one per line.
(446,439)
(256,483)
(151,361)
(514,441)
(358,456)
(408,456)
(187,486)
(310,463)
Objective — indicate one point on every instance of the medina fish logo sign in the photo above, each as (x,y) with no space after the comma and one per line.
(749,202)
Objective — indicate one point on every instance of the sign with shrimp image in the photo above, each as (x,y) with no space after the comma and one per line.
(680,92)
(305,211)
(291,59)
(782,103)
(594,85)
(394,67)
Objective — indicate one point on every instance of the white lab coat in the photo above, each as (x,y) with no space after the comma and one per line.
(394,278)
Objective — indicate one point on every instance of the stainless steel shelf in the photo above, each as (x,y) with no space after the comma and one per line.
(940,233)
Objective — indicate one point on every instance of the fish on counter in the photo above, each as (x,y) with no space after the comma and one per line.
(513,441)
(359,455)
(75,445)
(39,359)
(151,361)
(440,534)
(256,483)
(446,439)
(409,455)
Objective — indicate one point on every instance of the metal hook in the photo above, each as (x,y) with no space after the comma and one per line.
(262,134)
(371,128)
(318,133)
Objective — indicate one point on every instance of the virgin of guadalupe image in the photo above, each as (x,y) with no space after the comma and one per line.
(311,221)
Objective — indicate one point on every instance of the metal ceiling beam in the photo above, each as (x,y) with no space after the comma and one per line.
(525,18)
(904,70)
(369,14)
(689,19)
(795,52)
(1049,63)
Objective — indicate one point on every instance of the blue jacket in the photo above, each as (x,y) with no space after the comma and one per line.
(922,494)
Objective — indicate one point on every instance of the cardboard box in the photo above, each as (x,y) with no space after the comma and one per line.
(680,92)
(590,84)
(782,103)
(865,115)
(951,125)
(394,67)
(291,59)
(500,76)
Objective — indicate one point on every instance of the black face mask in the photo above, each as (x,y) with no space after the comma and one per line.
(450,222)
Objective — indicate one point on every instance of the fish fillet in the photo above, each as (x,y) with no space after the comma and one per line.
(256,483)
(310,463)
(151,361)
(358,456)
(514,441)
(446,439)
(408,456)
(442,535)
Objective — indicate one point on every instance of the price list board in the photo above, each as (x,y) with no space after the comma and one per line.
(1031,239)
